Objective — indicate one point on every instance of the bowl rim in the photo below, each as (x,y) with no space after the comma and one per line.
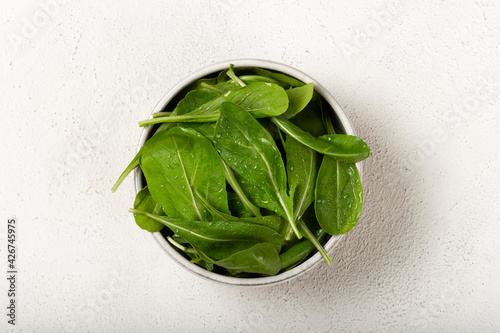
(217,67)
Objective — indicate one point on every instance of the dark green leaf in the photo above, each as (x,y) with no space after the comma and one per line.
(237,207)
(279,76)
(259,98)
(339,196)
(219,239)
(205,129)
(144,201)
(275,222)
(311,118)
(258,78)
(232,180)
(178,162)
(262,258)
(302,168)
(298,98)
(252,153)
(345,148)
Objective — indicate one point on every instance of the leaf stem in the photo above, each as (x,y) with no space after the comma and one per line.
(310,236)
(132,165)
(235,78)
(258,78)
(210,87)
(179,246)
(210,118)
(161,114)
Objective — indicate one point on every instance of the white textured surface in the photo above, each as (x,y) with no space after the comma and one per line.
(420,81)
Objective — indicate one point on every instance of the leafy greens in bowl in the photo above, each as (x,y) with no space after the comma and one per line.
(246,173)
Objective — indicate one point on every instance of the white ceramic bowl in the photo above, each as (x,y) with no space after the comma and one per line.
(340,121)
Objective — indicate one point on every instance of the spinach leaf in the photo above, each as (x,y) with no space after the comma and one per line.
(252,153)
(275,222)
(178,162)
(231,179)
(237,207)
(261,99)
(220,131)
(339,196)
(219,239)
(311,118)
(193,100)
(279,76)
(339,193)
(298,98)
(258,78)
(144,201)
(262,258)
(194,255)
(205,129)
(345,148)
(302,168)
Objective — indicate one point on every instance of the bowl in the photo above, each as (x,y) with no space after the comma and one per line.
(168,101)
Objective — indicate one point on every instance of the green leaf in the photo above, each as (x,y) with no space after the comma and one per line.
(262,258)
(178,162)
(190,252)
(145,202)
(298,98)
(192,101)
(261,99)
(345,148)
(231,179)
(279,76)
(252,153)
(237,207)
(259,78)
(302,168)
(275,222)
(311,118)
(219,239)
(339,196)
(205,129)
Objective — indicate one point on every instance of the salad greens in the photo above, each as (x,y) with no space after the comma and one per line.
(246,176)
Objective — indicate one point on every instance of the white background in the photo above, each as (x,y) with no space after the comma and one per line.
(419,80)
